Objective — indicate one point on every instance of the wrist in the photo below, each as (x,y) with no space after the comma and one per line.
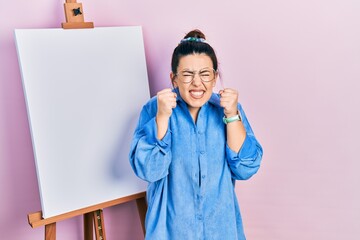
(231,114)
(162,118)
(232,118)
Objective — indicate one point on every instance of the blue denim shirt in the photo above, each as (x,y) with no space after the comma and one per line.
(191,173)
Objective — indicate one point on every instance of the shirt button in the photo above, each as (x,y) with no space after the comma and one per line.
(203,176)
(199,217)
(202,152)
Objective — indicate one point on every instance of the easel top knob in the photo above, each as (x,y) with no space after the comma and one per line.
(74,16)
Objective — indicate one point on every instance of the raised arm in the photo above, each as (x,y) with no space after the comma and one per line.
(150,154)
(243,151)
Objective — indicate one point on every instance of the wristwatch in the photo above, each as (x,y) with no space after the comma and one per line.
(231,119)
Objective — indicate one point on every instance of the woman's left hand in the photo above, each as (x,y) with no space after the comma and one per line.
(229,101)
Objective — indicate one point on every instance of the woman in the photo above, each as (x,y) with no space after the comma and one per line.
(191,145)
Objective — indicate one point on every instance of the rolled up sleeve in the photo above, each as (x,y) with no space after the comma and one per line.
(150,157)
(246,162)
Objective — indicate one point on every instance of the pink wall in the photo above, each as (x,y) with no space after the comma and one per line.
(296,65)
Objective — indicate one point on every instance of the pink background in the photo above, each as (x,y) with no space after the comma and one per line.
(296,65)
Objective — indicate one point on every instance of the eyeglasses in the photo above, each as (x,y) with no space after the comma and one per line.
(187,76)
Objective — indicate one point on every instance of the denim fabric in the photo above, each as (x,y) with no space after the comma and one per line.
(191,173)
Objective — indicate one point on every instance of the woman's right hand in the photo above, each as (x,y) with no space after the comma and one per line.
(166,101)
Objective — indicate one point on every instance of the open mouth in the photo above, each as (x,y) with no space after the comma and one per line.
(197,93)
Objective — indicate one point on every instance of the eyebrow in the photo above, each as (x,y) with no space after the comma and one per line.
(201,70)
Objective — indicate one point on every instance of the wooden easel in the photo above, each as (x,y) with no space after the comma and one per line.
(92,216)
(74,16)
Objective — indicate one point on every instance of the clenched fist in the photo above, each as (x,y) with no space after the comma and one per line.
(229,101)
(166,101)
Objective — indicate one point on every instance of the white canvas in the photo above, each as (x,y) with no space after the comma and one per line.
(84,90)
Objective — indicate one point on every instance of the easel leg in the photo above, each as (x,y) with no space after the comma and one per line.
(142,207)
(88,226)
(50,231)
(99,225)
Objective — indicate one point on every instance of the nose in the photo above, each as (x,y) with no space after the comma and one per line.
(196,80)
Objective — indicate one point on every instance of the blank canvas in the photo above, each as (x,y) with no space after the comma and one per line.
(84,90)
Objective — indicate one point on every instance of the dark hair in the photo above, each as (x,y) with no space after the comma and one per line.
(190,47)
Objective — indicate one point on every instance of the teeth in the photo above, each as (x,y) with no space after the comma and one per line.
(197,93)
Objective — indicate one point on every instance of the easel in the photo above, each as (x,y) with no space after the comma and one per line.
(92,216)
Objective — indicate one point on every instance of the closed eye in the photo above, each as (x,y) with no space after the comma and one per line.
(187,73)
(205,73)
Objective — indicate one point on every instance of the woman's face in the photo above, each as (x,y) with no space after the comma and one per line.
(196,92)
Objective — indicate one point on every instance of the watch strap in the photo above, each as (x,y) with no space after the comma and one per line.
(231,119)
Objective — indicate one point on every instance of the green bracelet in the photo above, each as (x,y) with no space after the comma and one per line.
(231,119)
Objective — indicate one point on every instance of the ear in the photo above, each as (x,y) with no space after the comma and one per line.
(172,78)
(216,78)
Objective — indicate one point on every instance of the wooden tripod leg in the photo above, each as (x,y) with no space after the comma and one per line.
(99,225)
(142,206)
(50,231)
(88,226)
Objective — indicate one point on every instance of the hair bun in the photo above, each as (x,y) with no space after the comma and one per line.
(196,33)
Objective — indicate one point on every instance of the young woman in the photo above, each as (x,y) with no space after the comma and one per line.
(191,145)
